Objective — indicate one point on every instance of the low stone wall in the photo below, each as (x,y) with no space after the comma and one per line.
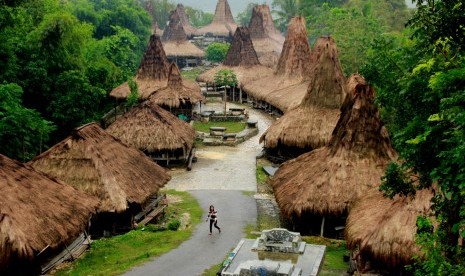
(242,136)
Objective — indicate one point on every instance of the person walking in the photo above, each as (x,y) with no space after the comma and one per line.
(213,216)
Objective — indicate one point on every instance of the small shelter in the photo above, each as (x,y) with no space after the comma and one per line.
(327,181)
(155,131)
(309,126)
(186,25)
(293,65)
(177,47)
(267,40)
(152,73)
(241,59)
(223,24)
(123,178)
(383,230)
(178,97)
(39,217)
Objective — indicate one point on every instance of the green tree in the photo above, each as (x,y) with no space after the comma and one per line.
(285,10)
(199,18)
(216,52)
(243,18)
(159,10)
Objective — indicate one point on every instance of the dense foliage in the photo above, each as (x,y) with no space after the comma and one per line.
(216,52)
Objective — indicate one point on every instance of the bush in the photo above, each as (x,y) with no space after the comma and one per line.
(174,225)
(216,52)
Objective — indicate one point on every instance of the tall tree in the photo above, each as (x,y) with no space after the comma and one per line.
(284,11)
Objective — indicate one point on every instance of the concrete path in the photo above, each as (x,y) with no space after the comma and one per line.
(224,177)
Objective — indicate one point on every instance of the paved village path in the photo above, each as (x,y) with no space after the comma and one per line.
(225,177)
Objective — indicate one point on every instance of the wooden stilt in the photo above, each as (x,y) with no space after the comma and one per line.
(322,226)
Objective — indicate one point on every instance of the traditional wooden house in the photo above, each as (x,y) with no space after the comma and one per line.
(382,230)
(292,69)
(39,217)
(320,186)
(309,126)
(242,60)
(267,40)
(177,48)
(223,24)
(178,97)
(186,25)
(155,131)
(152,73)
(123,178)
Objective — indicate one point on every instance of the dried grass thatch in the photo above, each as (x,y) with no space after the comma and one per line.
(188,28)
(150,128)
(329,179)
(293,65)
(267,40)
(177,93)
(311,123)
(223,22)
(98,164)
(385,229)
(37,212)
(152,74)
(241,59)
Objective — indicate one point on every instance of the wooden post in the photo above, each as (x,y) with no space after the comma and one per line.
(233,93)
(225,98)
(240,95)
(322,226)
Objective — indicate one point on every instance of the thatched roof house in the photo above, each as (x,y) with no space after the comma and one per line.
(384,229)
(293,65)
(155,131)
(267,40)
(188,28)
(241,59)
(309,126)
(223,24)
(329,179)
(176,93)
(37,212)
(152,73)
(93,161)
(175,41)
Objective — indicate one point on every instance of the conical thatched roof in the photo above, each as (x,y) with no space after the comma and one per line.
(152,73)
(310,125)
(150,128)
(175,41)
(223,22)
(267,40)
(37,211)
(98,164)
(241,59)
(293,66)
(177,92)
(385,229)
(330,179)
(188,28)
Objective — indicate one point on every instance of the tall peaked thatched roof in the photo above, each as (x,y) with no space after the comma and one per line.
(37,211)
(223,22)
(331,178)
(152,73)
(175,41)
(98,164)
(267,40)
(188,28)
(385,229)
(241,59)
(293,65)
(177,92)
(150,128)
(311,123)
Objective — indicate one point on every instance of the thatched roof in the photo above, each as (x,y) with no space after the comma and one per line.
(267,40)
(98,164)
(241,59)
(177,92)
(318,112)
(175,41)
(150,128)
(188,28)
(385,229)
(289,97)
(293,65)
(331,178)
(223,22)
(152,73)
(37,211)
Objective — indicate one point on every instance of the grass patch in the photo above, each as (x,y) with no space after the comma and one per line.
(212,270)
(334,260)
(231,127)
(192,74)
(117,254)
(261,175)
